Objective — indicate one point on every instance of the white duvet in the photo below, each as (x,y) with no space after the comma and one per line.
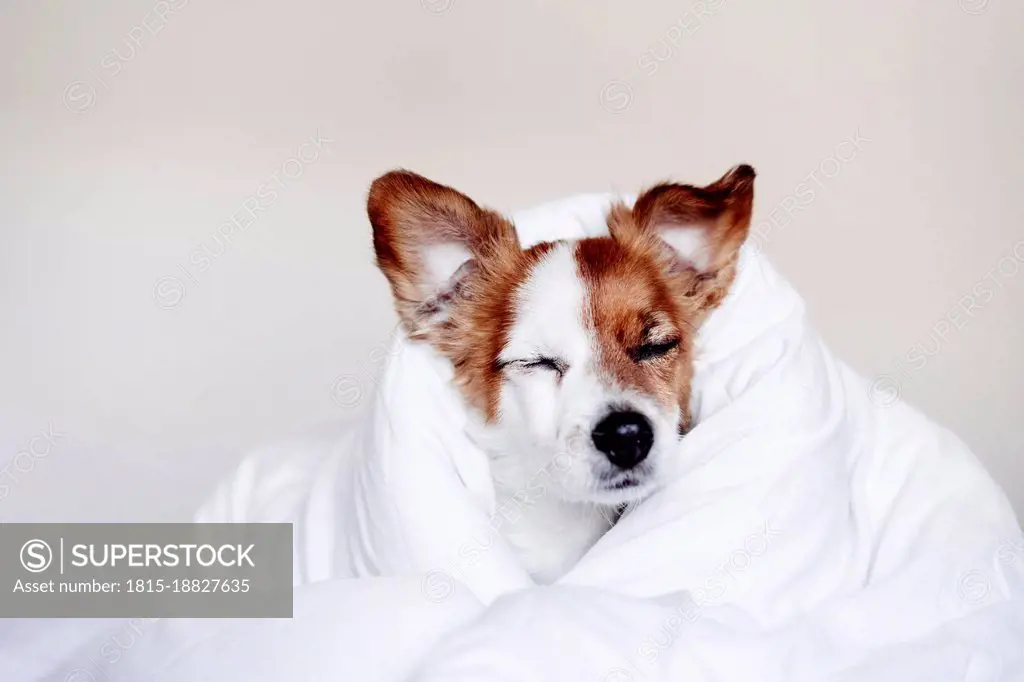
(816,529)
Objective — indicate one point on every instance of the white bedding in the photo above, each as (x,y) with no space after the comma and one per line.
(812,531)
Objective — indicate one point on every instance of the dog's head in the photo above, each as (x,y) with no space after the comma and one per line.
(576,355)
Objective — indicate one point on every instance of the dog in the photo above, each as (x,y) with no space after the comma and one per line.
(575,358)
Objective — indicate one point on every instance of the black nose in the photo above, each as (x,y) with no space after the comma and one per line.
(624,437)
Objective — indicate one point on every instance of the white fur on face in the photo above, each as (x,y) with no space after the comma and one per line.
(546,415)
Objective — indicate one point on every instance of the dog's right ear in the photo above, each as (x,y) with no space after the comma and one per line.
(429,240)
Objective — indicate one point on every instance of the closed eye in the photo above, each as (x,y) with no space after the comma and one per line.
(652,351)
(538,362)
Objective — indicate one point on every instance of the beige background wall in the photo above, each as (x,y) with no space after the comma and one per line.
(131,131)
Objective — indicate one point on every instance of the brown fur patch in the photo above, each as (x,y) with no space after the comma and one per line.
(640,290)
(478,329)
(632,302)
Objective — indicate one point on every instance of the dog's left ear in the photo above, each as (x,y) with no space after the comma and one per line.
(704,226)
(430,240)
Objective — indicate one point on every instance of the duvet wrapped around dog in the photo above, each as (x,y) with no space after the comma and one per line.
(812,532)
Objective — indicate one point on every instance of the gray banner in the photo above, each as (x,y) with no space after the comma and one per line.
(154,570)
